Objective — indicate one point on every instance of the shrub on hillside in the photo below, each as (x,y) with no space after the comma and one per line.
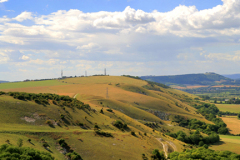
(203,154)
(120,125)
(12,152)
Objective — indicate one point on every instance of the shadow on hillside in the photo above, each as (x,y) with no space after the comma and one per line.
(66,121)
(32,143)
(218,143)
(48,150)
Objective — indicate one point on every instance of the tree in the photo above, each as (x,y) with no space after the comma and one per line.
(156,155)
(20,142)
(238,115)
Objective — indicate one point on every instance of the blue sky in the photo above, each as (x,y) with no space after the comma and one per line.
(138,37)
(49,6)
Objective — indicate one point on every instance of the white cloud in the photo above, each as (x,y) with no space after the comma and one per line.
(89,46)
(224,57)
(23,16)
(24,57)
(1,1)
(3,58)
(132,36)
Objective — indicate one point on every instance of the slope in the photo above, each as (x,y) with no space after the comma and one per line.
(134,102)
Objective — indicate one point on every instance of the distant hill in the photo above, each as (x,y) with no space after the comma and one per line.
(208,78)
(233,76)
(3,81)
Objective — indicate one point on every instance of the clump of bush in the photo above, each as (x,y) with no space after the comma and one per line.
(133,133)
(204,154)
(120,125)
(109,110)
(46,98)
(13,152)
(74,156)
(49,122)
(195,138)
(101,133)
(62,143)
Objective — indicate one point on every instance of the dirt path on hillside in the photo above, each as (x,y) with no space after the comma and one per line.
(75,95)
(165,146)
(172,145)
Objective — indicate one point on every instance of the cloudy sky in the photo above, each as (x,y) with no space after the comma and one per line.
(138,37)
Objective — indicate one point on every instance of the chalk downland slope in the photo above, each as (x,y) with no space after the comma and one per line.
(131,101)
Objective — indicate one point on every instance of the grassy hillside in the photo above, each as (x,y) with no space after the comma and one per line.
(146,109)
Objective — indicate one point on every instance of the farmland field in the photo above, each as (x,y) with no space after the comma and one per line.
(30,84)
(233,124)
(230,143)
(229,107)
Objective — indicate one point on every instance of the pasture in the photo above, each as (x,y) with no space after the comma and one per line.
(233,124)
(229,107)
(15,85)
(230,143)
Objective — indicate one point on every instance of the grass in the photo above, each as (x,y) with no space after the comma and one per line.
(83,141)
(233,124)
(229,107)
(127,100)
(14,85)
(111,80)
(230,143)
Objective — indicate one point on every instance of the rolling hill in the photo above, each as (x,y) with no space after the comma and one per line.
(84,112)
(208,78)
(3,81)
(232,76)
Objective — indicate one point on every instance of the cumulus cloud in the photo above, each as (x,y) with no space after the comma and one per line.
(89,46)
(24,57)
(1,1)
(23,16)
(3,58)
(131,36)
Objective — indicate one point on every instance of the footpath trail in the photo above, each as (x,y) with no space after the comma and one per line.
(75,95)
(172,145)
(165,146)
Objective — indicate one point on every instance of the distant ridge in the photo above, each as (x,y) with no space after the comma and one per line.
(232,76)
(3,81)
(208,78)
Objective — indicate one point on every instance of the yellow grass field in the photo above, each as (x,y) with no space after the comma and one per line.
(229,107)
(232,124)
(188,87)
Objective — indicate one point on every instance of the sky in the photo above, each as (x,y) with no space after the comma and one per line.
(40,38)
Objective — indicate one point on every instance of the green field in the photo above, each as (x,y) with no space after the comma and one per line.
(14,85)
(230,143)
(229,107)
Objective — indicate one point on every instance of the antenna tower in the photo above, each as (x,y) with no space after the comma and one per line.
(107,93)
(105,72)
